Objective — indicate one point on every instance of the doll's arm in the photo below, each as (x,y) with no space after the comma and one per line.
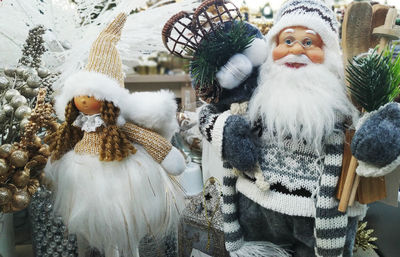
(376,144)
(230,135)
(158,147)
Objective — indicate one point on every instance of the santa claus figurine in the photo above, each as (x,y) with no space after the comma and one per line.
(283,157)
(111,158)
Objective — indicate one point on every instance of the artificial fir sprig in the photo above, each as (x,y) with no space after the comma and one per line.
(364,237)
(374,80)
(215,50)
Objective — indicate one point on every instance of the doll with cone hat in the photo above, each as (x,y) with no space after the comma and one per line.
(111,159)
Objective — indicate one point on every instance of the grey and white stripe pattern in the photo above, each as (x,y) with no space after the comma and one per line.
(310,7)
(330,224)
(232,230)
(208,117)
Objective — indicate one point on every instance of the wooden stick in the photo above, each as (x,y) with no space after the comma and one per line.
(348,185)
(354,190)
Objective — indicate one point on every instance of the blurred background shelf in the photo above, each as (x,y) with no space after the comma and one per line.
(175,83)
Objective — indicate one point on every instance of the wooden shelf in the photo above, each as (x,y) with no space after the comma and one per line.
(175,83)
(158,79)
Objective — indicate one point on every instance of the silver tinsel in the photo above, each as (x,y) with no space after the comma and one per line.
(49,234)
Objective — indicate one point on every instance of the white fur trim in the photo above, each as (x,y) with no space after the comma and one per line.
(90,83)
(217,133)
(257,52)
(114,204)
(235,71)
(368,170)
(152,110)
(259,249)
(174,163)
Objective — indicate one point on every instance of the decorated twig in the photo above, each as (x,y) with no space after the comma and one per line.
(22,164)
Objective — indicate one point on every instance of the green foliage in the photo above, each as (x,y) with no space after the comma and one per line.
(215,50)
(374,80)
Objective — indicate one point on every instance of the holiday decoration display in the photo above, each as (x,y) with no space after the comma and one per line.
(22,162)
(20,85)
(111,157)
(283,152)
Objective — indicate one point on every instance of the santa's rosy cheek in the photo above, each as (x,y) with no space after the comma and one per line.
(279,52)
(316,55)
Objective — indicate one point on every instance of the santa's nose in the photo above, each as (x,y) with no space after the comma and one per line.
(296,49)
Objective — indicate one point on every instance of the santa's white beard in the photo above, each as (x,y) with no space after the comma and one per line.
(300,103)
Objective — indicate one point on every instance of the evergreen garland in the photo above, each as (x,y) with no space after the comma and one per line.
(215,50)
(374,80)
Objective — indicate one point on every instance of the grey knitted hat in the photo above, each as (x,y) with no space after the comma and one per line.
(313,14)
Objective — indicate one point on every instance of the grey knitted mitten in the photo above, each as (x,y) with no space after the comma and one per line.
(378,140)
(238,147)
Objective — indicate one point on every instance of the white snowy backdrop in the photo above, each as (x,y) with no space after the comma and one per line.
(72,25)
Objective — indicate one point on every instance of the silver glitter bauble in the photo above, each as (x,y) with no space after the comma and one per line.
(33,81)
(22,112)
(23,123)
(3,83)
(18,101)
(20,71)
(9,71)
(8,109)
(51,238)
(29,72)
(43,72)
(10,94)
(35,92)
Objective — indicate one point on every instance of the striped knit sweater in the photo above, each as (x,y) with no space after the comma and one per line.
(320,178)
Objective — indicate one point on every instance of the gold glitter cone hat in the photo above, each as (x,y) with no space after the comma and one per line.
(104,56)
(102,77)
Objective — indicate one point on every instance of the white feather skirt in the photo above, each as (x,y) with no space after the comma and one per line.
(115,204)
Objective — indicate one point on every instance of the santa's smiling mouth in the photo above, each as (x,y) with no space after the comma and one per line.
(295,65)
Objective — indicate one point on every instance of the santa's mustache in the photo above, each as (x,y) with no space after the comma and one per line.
(292,58)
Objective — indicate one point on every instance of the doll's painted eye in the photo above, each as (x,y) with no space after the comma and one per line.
(289,41)
(307,42)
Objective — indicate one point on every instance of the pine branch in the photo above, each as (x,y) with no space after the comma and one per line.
(216,49)
(374,79)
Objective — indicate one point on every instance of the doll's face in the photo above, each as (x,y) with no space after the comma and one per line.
(298,41)
(87,104)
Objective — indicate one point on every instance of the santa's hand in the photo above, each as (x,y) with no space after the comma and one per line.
(174,163)
(377,141)
(238,147)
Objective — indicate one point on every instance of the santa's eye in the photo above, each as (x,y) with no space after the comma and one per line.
(289,41)
(307,42)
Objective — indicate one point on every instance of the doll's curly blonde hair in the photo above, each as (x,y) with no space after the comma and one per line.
(114,144)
